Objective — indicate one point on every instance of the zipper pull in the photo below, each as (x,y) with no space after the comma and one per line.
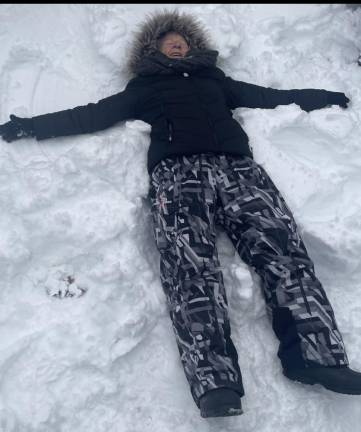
(170,130)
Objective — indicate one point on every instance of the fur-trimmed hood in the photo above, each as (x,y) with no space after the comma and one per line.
(159,23)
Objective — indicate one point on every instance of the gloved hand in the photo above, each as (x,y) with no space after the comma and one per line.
(312,99)
(337,98)
(17,128)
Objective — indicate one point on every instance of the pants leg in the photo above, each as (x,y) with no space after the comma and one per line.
(183,207)
(266,237)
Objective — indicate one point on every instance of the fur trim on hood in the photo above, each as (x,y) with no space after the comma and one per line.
(159,23)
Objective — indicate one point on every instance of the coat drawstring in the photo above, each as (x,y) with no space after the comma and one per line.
(201,177)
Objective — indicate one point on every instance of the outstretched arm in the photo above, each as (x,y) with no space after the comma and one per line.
(79,120)
(242,94)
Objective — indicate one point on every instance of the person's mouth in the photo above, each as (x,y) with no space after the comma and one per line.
(176,54)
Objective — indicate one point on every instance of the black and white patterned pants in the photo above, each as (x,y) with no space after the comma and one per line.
(189,195)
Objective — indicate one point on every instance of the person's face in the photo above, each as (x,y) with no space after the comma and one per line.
(173,45)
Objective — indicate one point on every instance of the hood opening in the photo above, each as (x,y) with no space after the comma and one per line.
(156,25)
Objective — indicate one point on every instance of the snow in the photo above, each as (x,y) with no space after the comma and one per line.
(86,340)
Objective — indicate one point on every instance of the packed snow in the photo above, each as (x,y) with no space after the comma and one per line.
(86,340)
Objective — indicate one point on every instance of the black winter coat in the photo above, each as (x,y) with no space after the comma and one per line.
(189,113)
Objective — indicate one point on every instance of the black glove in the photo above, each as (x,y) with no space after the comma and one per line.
(17,128)
(336,98)
(312,99)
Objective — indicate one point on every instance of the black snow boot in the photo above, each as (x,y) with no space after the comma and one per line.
(340,379)
(220,402)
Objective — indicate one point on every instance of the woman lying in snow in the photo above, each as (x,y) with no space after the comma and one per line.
(202,173)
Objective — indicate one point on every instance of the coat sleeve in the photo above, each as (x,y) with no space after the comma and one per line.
(88,118)
(242,94)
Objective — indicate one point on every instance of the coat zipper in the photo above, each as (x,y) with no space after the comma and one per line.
(211,128)
(205,112)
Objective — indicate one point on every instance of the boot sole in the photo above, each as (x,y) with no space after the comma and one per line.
(223,411)
(311,381)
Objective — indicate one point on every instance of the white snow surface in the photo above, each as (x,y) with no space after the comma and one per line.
(86,340)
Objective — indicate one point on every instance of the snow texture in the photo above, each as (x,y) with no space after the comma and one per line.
(86,340)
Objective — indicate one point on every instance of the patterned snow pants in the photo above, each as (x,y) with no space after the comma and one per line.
(189,195)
